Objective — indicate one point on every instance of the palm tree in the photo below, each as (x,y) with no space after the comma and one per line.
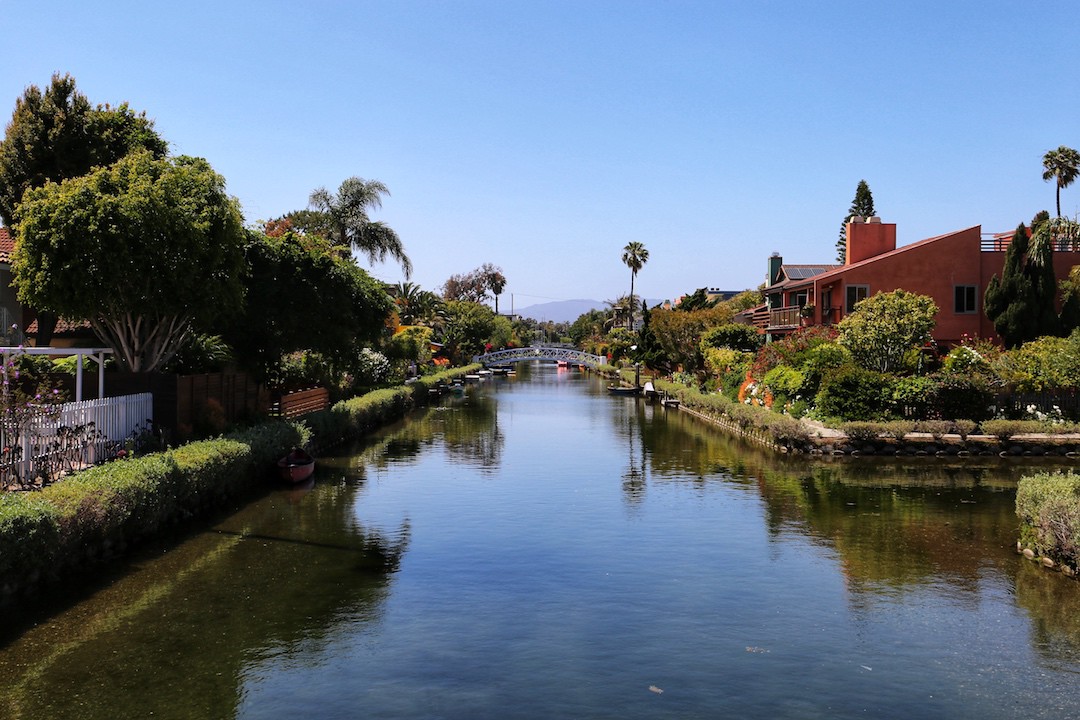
(1063,165)
(348,223)
(634,256)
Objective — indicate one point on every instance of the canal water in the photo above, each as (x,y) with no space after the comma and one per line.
(537,548)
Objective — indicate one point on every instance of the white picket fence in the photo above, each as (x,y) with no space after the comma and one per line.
(114,420)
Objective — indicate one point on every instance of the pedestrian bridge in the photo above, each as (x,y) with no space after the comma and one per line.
(526,354)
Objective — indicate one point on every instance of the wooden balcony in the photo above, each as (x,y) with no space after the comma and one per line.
(786,317)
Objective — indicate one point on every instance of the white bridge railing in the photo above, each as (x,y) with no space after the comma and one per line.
(525,354)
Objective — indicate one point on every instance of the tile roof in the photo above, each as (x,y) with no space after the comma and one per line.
(7,244)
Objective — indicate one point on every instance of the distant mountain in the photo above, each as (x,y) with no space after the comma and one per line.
(565,310)
(559,311)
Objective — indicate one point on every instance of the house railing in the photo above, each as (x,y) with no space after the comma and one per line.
(784,317)
(48,443)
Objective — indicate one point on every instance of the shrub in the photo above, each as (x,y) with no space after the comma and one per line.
(1005,429)
(914,397)
(784,382)
(898,428)
(852,393)
(1048,505)
(792,350)
(29,530)
(963,359)
(862,430)
(735,336)
(962,396)
(819,361)
(964,428)
(937,428)
(786,431)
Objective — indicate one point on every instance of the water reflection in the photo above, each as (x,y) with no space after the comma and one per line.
(465,427)
(622,547)
(177,635)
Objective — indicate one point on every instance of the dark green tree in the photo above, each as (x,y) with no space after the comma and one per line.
(304,299)
(648,351)
(56,135)
(863,206)
(469,326)
(588,326)
(1021,302)
(697,300)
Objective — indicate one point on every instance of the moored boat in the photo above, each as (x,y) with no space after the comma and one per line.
(297,466)
(623,390)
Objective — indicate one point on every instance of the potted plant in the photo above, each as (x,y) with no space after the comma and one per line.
(806,312)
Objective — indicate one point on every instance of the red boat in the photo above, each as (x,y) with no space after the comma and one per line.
(296,467)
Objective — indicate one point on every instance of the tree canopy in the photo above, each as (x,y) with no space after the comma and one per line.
(56,134)
(1061,166)
(883,328)
(469,326)
(679,333)
(1021,302)
(280,317)
(145,249)
(863,206)
(475,285)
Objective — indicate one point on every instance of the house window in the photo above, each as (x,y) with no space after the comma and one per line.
(799,298)
(965,300)
(855,294)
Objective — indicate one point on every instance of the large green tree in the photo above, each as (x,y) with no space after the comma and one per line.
(1061,166)
(146,250)
(634,256)
(885,327)
(56,134)
(469,326)
(344,217)
(862,206)
(1021,302)
(679,333)
(299,298)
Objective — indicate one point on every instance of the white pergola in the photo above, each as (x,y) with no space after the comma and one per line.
(96,353)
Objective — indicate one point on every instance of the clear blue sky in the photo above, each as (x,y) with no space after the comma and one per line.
(543,136)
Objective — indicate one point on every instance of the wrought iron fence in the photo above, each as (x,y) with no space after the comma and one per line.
(41,443)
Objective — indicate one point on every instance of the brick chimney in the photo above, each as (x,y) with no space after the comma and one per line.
(868,238)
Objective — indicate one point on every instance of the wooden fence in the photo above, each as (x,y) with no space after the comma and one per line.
(188,404)
(300,402)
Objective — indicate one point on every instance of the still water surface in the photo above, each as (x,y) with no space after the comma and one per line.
(539,549)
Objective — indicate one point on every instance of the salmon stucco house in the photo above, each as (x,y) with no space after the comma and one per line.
(953,269)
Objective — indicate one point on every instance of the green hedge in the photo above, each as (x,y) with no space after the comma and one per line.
(783,430)
(69,526)
(353,417)
(1048,505)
